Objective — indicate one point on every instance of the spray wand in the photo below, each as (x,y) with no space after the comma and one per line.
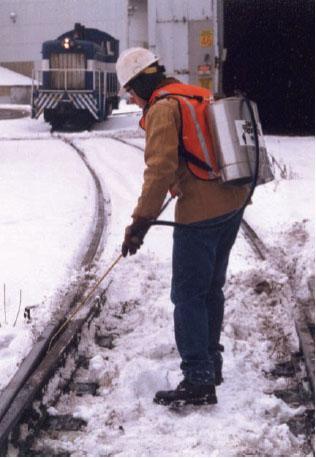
(92,291)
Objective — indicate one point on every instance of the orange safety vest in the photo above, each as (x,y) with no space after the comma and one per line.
(195,143)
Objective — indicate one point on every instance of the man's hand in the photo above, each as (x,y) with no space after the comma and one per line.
(134,235)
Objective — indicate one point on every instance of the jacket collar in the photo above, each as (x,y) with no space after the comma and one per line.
(165,82)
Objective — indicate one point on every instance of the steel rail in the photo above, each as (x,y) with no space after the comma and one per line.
(254,240)
(126,113)
(307,346)
(16,397)
(128,143)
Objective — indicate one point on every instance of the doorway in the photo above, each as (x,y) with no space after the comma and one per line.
(270,57)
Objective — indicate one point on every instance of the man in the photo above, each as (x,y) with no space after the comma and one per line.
(179,158)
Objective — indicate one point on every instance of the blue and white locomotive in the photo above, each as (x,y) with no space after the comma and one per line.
(76,83)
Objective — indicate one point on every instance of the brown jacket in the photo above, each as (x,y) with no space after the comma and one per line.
(199,200)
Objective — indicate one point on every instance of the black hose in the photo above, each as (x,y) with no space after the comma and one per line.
(245,100)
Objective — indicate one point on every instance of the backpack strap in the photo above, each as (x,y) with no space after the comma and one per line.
(189,157)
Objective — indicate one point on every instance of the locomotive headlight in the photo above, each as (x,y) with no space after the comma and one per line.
(66,43)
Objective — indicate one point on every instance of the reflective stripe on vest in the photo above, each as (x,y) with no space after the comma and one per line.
(195,141)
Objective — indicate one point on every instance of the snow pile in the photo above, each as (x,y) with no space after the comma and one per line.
(284,211)
(11,78)
(125,422)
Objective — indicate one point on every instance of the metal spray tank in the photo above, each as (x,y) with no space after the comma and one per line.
(233,135)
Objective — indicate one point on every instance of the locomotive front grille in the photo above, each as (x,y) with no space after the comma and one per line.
(67,71)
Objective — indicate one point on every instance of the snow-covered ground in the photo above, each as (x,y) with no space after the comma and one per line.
(11,78)
(47,198)
(46,211)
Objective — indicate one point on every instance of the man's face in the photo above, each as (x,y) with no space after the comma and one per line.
(134,98)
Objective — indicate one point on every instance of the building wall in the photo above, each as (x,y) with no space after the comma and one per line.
(176,28)
(25,24)
(137,23)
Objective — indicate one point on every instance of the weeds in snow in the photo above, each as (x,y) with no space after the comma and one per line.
(285,171)
(5,306)
(19,309)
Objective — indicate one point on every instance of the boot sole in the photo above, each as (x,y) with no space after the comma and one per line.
(185,402)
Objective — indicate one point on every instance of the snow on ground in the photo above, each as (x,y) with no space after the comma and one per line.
(127,108)
(258,329)
(43,224)
(285,211)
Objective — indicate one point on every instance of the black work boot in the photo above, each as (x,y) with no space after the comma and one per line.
(187,393)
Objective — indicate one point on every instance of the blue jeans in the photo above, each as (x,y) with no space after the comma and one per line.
(200,259)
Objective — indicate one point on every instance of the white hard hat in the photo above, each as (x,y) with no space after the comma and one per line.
(132,62)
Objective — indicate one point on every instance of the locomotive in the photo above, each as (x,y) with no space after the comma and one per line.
(76,84)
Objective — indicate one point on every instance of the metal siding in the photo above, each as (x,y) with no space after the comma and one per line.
(218,24)
(180,9)
(180,51)
(200,55)
(200,9)
(176,10)
(152,22)
(179,23)
(138,24)
(164,47)
(164,10)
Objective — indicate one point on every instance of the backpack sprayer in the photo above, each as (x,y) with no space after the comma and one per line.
(239,144)
(242,157)
(238,140)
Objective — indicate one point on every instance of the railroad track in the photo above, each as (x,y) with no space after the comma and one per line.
(49,352)
(48,373)
(127,113)
(302,364)
(305,330)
